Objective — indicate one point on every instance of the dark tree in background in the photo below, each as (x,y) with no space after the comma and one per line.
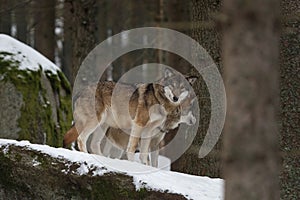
(290,99)
(21,19)
(67,41)
(5,16)
(177,14)
(115,24)
(44,12)
(250,56)
(204,31)
(83,23)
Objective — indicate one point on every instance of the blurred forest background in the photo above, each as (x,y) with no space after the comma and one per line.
(65,31)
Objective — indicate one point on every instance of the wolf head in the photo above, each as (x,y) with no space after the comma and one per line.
(176,87)
(178,90)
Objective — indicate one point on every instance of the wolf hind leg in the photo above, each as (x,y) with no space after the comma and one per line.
(112,151)
(84,135)
(97,137)
(107,148)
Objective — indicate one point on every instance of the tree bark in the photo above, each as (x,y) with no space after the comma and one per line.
(177,11)
(101,31)
(290,99)
(250,54)
(21,20)
(68,42)
(208,38)
(83,31)
(5,16)
(44,27)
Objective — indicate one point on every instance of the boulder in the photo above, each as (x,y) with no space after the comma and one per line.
(35,96)
(27,173)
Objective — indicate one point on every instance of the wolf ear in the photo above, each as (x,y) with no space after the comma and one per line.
(168,73)
(191,79)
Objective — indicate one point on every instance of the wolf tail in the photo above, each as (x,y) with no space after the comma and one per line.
(70,136)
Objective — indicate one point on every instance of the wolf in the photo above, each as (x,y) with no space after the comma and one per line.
(141,98)
(176,85)
(120,139)
(185,116)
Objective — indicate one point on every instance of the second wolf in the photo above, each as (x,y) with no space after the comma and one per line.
(118,139)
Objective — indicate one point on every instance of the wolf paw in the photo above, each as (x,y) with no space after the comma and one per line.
(144,159)
(130,156)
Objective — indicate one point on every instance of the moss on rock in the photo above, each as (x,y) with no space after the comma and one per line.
(30,174)
(44,99)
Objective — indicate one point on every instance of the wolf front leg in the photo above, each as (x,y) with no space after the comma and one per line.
(150,145)
(134,138)
(144,154)
(154,157)
(154,147)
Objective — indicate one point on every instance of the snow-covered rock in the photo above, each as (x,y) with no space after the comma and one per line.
(35,96)
(116,179)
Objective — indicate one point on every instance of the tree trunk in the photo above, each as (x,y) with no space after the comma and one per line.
(21,20)
(208,38)
(83,31)
(177,12)
(44,27)
(250,54)
(5,16)
(68,42)
(101,32)
(290,99)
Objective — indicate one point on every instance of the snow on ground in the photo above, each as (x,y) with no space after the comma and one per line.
(27,56)
(192,187)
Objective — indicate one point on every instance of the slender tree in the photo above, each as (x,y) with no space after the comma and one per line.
(44,36)
(177,12)
(290,99)
(101,29)
(83,16)
(21,19)
(250,53)
(67,42)
(5,16)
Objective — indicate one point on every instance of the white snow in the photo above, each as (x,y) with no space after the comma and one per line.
(27,56)
(192,187)
(35,162)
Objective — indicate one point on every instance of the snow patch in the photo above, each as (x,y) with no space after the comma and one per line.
(6,149)
(35,162)
(25,55)
(83,169)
